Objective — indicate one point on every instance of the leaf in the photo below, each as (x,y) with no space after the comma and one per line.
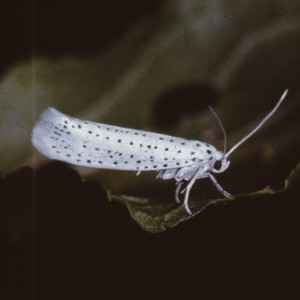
(159,217)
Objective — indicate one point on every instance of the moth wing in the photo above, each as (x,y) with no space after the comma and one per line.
(97,145)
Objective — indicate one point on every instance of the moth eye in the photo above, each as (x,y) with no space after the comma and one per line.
(217,165)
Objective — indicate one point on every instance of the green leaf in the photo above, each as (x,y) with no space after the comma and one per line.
(158,217)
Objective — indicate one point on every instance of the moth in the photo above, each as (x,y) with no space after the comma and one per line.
(97,145)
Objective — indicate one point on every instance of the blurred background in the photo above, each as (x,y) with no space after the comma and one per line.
(151,65)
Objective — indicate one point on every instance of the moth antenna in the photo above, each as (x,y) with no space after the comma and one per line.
(266,118)
(222,127)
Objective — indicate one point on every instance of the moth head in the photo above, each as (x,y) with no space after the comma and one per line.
(220,164)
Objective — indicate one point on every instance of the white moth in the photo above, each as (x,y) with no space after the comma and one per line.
(96,145)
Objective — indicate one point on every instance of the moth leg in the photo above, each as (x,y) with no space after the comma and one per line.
(186,198)
(188,188)
(159,174)
(198,177)
(218,186)
(179,184)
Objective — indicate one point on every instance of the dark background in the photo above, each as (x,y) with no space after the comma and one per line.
(66,241)
(54,29)
(62,239)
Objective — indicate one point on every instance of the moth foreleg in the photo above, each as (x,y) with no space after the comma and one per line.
(204,175)
(218,186)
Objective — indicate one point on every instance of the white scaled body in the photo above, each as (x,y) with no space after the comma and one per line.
(90,144)
(97,145)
